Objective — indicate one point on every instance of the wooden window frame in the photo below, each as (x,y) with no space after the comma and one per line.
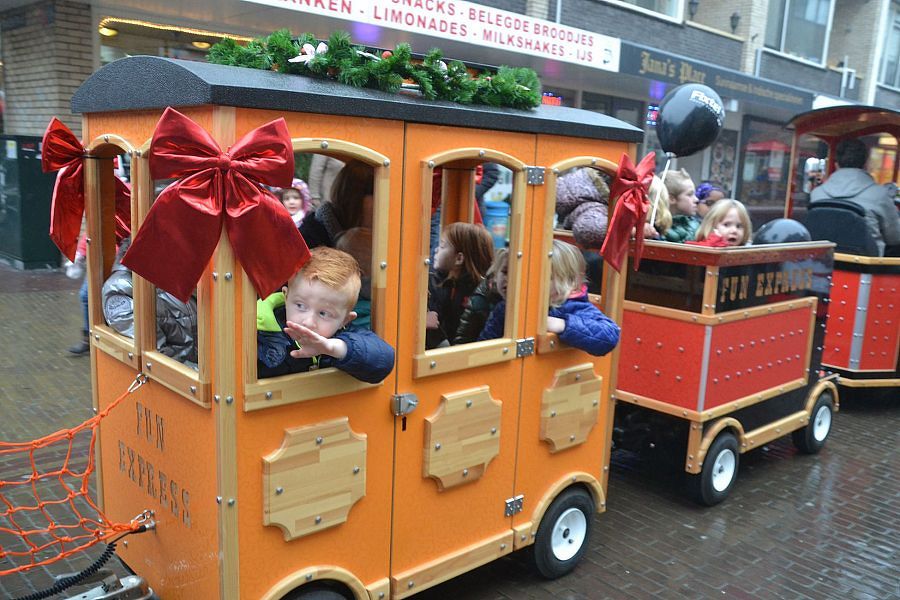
(474,354)
(299,387)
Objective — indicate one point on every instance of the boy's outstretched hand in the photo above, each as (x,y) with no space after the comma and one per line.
(312,344)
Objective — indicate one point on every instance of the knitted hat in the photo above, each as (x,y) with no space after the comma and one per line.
(589,226)
(582,185)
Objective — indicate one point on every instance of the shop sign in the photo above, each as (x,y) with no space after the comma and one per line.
(471,23)
(670,68)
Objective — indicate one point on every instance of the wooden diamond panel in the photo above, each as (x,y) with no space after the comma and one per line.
(315,478)
(570,406)
(462,437)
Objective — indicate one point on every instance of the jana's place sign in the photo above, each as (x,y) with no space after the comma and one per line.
(471,23)
(662,66)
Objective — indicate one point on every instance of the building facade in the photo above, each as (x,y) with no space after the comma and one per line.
(767,59)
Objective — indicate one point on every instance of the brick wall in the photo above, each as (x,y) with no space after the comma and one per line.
(47,54)
(516,6)
(792,72)
(887,97)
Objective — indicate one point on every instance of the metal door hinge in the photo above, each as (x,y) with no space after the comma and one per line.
(535,175)
(524,347)
(403,404)
(514,505)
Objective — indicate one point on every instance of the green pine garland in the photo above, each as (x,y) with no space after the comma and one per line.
(434,78)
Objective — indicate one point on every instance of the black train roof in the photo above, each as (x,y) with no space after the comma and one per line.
(148,82)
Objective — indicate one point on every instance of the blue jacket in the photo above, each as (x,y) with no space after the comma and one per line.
(369,358)
(587,328)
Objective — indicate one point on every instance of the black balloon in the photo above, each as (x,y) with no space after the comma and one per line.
(690,119)
(781,231)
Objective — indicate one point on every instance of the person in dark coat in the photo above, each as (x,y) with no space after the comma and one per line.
(307,325)
(350,205)
(479,305)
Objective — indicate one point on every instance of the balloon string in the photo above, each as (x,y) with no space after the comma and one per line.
(659,191)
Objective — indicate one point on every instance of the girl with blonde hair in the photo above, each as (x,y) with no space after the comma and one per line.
(727,224)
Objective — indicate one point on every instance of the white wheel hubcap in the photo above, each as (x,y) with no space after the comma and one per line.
(822,423)
(568,534)
(723,470)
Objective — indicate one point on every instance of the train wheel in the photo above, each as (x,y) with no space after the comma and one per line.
(720,468)
(562,536)
(811,438)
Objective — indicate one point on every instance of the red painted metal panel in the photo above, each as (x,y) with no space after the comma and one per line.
(756,354)
(882,333)
(661,358)
(841,315)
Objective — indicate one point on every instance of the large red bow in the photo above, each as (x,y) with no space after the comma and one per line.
(177,239)
(62,151)
(630,187)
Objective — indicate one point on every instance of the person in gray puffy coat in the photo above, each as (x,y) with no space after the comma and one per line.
(176,321)
(851,183)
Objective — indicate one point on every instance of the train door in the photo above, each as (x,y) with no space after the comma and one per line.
(455,452)
(566,420)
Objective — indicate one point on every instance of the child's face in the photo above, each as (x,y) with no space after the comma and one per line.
(731,228)
(685,203)
(446,258)
(501,279)
(316,306)
(292,201)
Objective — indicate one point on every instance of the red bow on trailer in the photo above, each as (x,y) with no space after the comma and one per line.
(62,151)
(630,187)
(177,239)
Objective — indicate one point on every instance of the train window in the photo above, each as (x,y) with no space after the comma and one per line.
(339,200)
(470,286)
(577,216)
(173,333)
(109,219)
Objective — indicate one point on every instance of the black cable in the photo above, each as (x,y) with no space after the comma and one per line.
(67,582)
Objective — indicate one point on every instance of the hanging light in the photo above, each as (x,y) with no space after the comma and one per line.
(735,21)
(692,8)
(107,31)
(200,44)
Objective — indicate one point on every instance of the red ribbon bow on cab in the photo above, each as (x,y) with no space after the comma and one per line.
(630,187)
(62,151)
(180,233)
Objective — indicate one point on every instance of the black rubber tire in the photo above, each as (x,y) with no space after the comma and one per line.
(811,438)
(702,485)
(546,561)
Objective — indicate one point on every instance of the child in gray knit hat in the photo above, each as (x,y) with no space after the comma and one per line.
(581,205)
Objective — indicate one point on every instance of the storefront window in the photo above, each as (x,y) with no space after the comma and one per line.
(119,39)
(765,156)
(670,8)
(799,27)
(890,67)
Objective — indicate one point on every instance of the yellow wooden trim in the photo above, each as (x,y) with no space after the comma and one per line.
(708,436)
(868,383)
(583,161)
(380,590)
(340,148)
(706,415)
(142,290)
(720,318)
(866,260)
(776,429)
(695,437)
(570,407)
(97,146)
(481,155)
(526,532)
(297,387)
(115,344)
(424,261)
(450,565)
(464,356)
(710,289)
(225,379)
(178,377)
(314,574)
(816,391)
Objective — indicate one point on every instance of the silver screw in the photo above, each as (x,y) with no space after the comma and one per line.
(324,145)
(268,395)
(318,519)
(437,446)
(193,389)
(229,399)
(386,162)
(383,265)
(319,440)
(279,490)
(227,276)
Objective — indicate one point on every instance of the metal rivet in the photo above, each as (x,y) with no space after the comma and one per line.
(386,162)
(215,276)
(410,584)
(97,337)
(138,153)
(506,351)
(193,389)
(493,430)
(227,276)
(596,402)
(319,439)
(571,438)
(552,413)
(216,398)
(383,265)
(437,446)
(553,343)
(355,470)
(465,472)
(468,403)
(268,395)
(279,490)
(324,145)
(125,543)
(433,364)
(318,519)
(309,576)
(149,366)
(519,254)
(231,502)
(481,153)
(229,399)
(218,499)
(430,166)
(503,546)
(427,262)
(577,376)
(131,355)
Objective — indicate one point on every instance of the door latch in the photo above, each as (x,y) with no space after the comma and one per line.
(403,404)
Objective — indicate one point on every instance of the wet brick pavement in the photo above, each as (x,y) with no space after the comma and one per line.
(794,527)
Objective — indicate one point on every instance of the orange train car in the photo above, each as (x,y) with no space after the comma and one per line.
(721,352)
(317,485)
(862,343)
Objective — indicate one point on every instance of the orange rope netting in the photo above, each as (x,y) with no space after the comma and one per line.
(64,519)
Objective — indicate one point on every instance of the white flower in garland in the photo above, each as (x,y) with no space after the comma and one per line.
(308,52)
